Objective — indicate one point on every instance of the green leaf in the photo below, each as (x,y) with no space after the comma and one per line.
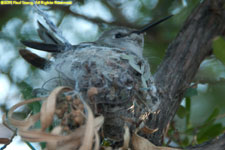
(190,131)
(188,111)
(209,132)
(181,112)
(185,142)
(36,107)
(212,116)
(25,89)
(219,49)
(190,92)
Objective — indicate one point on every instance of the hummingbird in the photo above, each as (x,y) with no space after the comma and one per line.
(113,64)
(123,38)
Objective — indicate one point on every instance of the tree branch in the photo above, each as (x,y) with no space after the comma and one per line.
(182,61)
(217,144)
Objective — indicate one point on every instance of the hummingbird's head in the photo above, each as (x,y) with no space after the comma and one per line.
(124,39)
(127,39)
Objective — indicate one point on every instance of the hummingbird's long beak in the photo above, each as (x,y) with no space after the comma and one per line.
(151,25)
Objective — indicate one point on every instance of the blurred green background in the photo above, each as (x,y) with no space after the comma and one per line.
(200,116)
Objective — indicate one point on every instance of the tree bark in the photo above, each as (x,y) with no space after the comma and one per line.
(183,58)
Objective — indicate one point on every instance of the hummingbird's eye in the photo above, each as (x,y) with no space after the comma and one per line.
(118,35)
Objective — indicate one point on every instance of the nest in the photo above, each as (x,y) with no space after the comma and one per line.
(115,83)
(73,124)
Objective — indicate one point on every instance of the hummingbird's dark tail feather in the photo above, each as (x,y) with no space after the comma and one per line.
(34,59)
(47,36)
(53,48)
